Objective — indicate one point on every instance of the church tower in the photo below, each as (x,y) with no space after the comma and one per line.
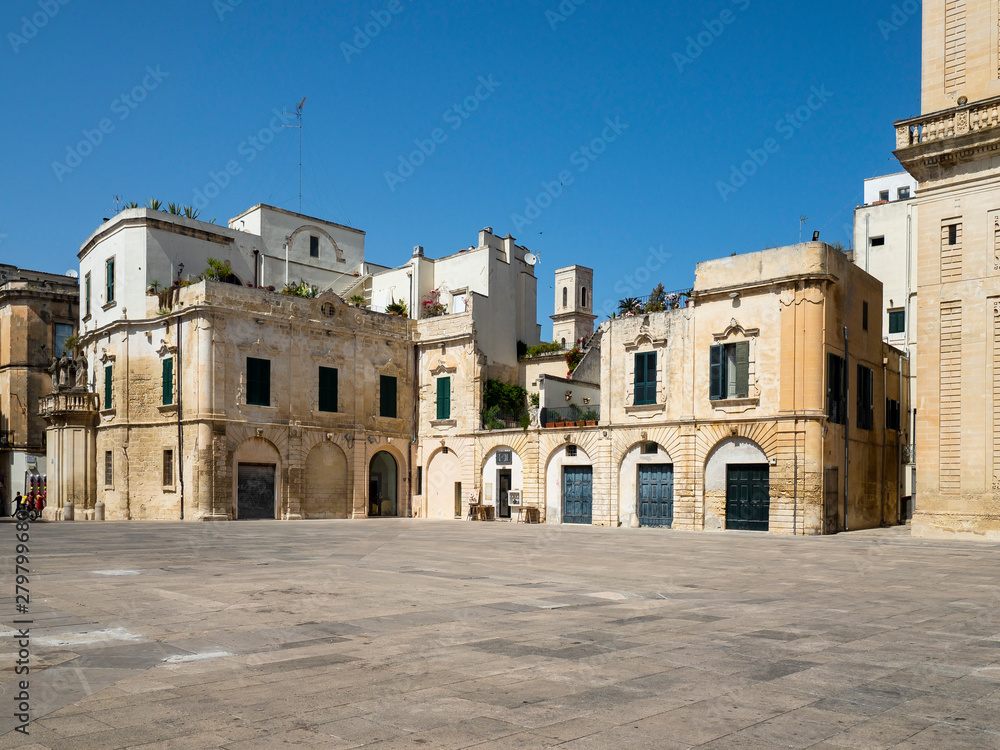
(574,317)
(951,149)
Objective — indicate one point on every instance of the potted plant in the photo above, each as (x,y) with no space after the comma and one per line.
(357,300)
(397,308)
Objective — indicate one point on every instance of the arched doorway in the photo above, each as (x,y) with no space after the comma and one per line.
(326,483)
(646,486)
(737,485)
(257,470)
(382,486)
(444,486)
(569,486)
(503,471)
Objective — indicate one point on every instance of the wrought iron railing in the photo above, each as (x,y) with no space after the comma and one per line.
(499,419)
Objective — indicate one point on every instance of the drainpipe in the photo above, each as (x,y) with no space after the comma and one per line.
(900,479)
(180,432)
(416,418)
(286,264)
(885,436)
(847,420)
(868,243)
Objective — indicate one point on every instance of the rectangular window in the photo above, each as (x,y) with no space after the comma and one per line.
(387,396)
(109,469)
(866,398)
(903,193)
(864,315)
(571,450)
(258,382)
(108,380)
(109,281)
(953,234)
(650,449)
(328,389)
(313,247)
(645,378)
(951,252)
(420,480)
(168,381)
(892,421)
(836,390)
(883,195)
(729,371)
(877,241)
(168,468)
(63,332)
(444,398)
(897,321)
(86,295)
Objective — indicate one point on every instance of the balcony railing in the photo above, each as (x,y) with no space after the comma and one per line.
(937,126)
(499,419)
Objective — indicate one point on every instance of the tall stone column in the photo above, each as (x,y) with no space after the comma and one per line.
(71,452)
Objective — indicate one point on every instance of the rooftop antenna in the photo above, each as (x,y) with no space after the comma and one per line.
(298,114)
(802,220)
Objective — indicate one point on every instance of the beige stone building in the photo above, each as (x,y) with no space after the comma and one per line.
(950,148)
(769,404)
(38,315)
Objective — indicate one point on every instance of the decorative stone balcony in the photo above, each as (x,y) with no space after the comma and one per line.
(949,123)
(67,402)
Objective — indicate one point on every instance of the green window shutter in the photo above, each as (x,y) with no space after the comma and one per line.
(387,398)
(108,373)
(717,384)
(168,381)
(258,382)
(110,281)
(742,369)
(328,389)
(444,398)
(651,378)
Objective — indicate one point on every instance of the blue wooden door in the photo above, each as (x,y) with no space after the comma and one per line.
(748,497)
(656,495)
(578,494)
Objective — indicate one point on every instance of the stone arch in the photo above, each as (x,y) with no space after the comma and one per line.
(326,490)
(313,229)
(489,477)
(557,459)
(402,504)
(732,449)
(255,451)
(628,475)
(444,469)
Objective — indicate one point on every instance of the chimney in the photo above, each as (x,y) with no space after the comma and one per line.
(418,251)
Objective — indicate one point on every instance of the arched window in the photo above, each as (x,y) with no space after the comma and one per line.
(583,297)
(565,297)
(564,343)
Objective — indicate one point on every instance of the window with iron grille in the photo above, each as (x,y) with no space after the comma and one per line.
(168,468)
(109,469)
(650,449)
(571,450)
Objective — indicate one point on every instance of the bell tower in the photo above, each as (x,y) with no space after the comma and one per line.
(574,317)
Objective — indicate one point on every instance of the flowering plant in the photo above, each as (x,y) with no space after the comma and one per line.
(432,306)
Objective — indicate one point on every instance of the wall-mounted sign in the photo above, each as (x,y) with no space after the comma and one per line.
(514,498)
(505,458)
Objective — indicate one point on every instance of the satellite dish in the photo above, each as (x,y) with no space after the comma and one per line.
(531,259)
(72,274)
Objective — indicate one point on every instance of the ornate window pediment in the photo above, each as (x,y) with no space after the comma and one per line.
(259,347)
(735,328)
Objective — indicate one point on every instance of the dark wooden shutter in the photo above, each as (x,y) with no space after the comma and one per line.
(387,396)
(651,378)
(328,396)
(168,381)
(716,381)
(742,369)
(108,372)
(444,398)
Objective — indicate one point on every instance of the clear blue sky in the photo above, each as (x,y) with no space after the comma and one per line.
(693,109)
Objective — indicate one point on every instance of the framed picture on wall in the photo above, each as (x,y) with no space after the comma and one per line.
(514,498)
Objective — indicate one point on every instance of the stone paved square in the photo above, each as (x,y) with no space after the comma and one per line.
(406,634)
